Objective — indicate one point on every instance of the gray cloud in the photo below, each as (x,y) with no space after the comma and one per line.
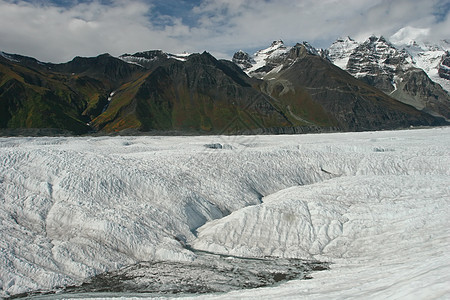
(53,33)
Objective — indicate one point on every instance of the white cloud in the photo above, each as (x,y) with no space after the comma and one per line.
(313,20)
(58,34)
(407,34)
(53,33)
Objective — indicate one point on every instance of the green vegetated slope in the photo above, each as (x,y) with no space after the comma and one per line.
(65,96)
(30,98)
(201,94)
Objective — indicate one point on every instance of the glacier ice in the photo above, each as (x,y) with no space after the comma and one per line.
(375,204)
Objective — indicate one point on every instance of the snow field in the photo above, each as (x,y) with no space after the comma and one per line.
(375,204)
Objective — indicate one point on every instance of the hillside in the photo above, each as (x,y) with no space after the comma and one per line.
(159,92)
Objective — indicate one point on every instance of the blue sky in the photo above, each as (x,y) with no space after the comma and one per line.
(58,30)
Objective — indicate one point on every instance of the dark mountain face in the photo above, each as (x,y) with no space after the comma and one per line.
(156,91)
(200,94)
(31,96)
(105,68)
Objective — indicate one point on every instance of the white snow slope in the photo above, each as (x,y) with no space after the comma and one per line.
(375,204)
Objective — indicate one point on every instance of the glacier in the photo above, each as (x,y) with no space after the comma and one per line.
(375,205)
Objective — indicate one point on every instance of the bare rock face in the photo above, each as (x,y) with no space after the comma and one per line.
(444,66)
(416,89)
(242,59)
(376,62)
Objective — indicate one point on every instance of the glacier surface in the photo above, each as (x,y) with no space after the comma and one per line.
(375,205)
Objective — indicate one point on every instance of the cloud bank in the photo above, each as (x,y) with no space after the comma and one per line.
(54,31)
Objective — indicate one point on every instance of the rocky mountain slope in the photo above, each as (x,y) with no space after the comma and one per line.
(292,89)
(408,73)
(414,74)
(355,105)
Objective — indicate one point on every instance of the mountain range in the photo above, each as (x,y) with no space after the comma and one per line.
(351,86)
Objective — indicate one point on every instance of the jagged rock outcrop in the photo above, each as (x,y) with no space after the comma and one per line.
(242,59)
(444,66)
(339,52)
(394,71)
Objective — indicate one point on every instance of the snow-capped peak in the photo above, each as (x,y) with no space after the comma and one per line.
(243,60)
(271,56)
(393,68)
(339,52)
(274,46)
(271,59)
(375,53)
(310,49)
(147,57)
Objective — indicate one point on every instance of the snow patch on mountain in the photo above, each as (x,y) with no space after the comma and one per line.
(271,60)
(179,56)
(276,50)
(139,61)
(146,58)
(8,57)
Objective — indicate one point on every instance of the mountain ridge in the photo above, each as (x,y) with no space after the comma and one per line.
(154,91)
(417,79)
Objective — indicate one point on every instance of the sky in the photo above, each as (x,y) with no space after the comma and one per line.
(59,30)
